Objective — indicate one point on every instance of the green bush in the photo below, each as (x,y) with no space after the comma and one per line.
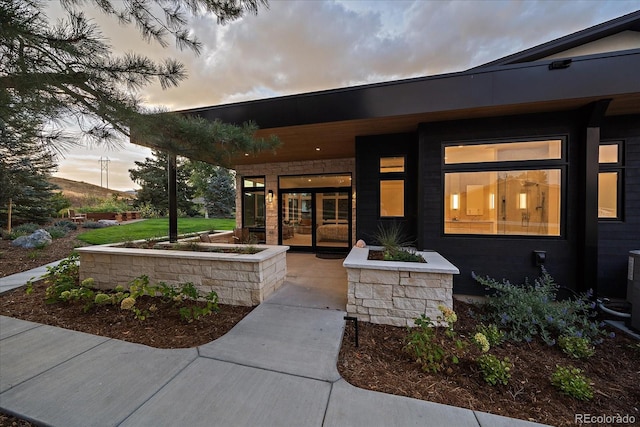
(494,370)
(493,334)
(65,223)
(146,210)
(62,278)
(93,224)
(528,310)
(403,255)
(194,312)
(57,232)
(22,230)
(572,383)
(395,243)
(106,205)
(64,286)
(424,342)
(576,347)
(391,236)
(27,228)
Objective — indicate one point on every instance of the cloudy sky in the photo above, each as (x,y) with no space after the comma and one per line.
(298,46)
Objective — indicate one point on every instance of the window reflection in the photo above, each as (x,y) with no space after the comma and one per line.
(391,198)
(522,202)
(503,152)
(608,195)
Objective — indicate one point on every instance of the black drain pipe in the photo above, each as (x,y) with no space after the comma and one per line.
(355,321)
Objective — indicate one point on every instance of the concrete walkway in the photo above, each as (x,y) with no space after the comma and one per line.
(277,367)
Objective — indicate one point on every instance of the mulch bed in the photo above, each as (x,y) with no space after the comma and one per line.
(380,364)
(14,260)
(163,329)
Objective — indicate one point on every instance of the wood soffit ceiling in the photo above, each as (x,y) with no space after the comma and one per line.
(337,139)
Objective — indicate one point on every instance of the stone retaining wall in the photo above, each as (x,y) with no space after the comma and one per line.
(396,293)
(238,279)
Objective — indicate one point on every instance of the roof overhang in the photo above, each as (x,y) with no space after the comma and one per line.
(324,125)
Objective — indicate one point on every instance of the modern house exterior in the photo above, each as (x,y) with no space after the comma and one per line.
(530,159)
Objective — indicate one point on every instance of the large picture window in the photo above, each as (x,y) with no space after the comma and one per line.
(512,196)
(253,202)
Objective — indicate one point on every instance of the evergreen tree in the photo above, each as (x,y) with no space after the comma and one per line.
(24,182)
(216,185)
(55,72)
(151,175)
(220,197)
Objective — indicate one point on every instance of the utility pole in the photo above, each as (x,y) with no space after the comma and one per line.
(104,167)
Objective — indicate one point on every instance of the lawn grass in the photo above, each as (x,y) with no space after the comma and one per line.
(153,228)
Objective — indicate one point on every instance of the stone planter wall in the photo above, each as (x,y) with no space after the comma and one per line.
(238,279)
(395,293)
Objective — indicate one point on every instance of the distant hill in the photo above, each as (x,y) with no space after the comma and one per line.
(80,193)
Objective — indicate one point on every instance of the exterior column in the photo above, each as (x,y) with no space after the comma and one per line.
(588,265)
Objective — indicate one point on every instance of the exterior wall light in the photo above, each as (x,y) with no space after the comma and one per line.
(270,197)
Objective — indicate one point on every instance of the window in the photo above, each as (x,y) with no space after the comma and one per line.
(392,178)
(506,188)
(391,164)
(392,198)
(253,202)
(503,152)
(335,208)
(609,181)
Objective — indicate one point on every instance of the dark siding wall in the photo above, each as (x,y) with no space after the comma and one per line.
(500,257)
(616,239)
(369,149)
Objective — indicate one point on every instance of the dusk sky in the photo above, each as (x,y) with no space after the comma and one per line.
(302,46)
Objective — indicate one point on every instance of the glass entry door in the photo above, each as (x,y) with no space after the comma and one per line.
(315,220)
(332,219)
(297,219)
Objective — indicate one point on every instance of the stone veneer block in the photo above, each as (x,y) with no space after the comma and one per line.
(238,279)
(396,293)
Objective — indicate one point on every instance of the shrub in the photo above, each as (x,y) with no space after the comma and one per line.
(576,347)
(64,287)
(106,205)
(529,310)
(481,341)
(391,237)
(395,243)
(494,370)
(491,332)
(65,223)
(404,255)
(194,312)
(102,299)
(147,210)
(424,342)
(22,230)
(57,232)
(572,383)
(62,277)
(93,224)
